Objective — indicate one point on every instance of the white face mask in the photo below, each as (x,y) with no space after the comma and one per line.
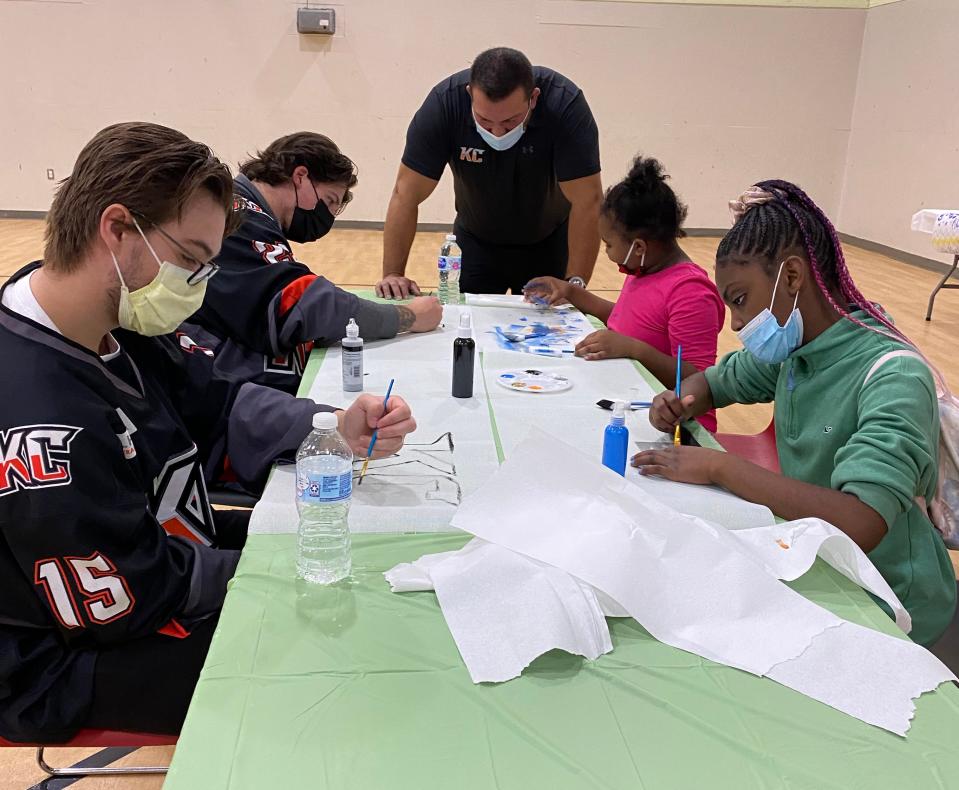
(164,303)
(505,141)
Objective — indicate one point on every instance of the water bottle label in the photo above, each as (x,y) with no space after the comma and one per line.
(323,489)
(444,263)
(455,263)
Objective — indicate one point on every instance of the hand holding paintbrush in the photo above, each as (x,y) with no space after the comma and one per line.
(373,438)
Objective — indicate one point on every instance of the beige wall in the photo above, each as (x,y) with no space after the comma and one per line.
(723,95)
(904,149)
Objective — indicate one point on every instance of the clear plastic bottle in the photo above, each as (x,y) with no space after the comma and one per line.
(450,263)
(324,485)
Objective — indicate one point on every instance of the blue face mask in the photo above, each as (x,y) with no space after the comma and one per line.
(505,141)
(765,339)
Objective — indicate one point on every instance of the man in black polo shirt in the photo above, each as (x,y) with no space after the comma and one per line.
(524,151)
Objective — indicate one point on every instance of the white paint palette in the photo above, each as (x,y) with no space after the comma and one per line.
(535,382)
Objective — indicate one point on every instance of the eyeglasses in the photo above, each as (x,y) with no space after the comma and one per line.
(335,205)
(202,271)
(341,206)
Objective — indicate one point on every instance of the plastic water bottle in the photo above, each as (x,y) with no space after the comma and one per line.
(449,264)
(616,440)
(324,485)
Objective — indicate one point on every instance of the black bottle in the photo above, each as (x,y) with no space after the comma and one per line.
(464,353)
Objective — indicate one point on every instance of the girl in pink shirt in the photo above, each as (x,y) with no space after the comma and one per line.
(666,301)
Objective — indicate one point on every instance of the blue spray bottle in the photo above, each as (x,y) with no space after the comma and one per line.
(616,440)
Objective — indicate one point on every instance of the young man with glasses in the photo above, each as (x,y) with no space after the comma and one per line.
(523,148)
(113,566)
(266,310)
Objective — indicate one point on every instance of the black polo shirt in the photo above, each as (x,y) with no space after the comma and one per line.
(512,196)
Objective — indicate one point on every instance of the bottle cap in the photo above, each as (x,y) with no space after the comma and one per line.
(451,237)
(352,329)
(466,328)
(619,413)
(325,421)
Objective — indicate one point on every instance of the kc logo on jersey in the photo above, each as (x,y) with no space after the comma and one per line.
(474,155)
(35,456)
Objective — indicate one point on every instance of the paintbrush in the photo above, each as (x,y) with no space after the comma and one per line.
(633,405)
(369,450)
(679,382)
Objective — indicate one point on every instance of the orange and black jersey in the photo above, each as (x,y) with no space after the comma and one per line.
(265,310)
(106,531)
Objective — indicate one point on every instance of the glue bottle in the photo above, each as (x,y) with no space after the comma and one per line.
(464,352)
(352,353)
(616,440)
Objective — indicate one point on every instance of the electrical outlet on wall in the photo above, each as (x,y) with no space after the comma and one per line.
(50,174)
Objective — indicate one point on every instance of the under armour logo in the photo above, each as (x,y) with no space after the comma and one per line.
(471,154)
(527,149)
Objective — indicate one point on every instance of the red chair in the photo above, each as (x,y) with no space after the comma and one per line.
(759,448)
(99,739)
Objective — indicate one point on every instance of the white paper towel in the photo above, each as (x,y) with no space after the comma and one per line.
(504,610)
(692,584)
(788,550)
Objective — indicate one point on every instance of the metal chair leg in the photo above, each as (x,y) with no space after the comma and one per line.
(940,286)
(75,772)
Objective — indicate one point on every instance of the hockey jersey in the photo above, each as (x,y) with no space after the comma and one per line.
(106,532)
(264,310)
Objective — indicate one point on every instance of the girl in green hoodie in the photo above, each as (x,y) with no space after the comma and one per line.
(857,443)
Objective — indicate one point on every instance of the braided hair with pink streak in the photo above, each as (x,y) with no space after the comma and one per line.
(792,219)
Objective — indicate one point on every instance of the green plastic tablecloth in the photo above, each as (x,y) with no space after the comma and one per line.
(357,687)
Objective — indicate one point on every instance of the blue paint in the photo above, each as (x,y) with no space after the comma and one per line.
(616,441)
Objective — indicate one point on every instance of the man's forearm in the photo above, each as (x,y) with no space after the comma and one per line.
(398,235)
(583,239)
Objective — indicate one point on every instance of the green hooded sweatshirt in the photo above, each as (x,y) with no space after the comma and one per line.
(878,441)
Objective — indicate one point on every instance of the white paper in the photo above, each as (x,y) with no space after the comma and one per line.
(413,497)
(515,302)
(695,585)
(504,610)
(866,674)
(706,502)
(788,550)
(687,582)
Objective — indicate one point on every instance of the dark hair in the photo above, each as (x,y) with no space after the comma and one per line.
(792,221)
(316,152)
(150,169)
(500,71)
(644,204)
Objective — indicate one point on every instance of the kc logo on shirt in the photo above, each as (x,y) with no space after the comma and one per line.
(474,155)
(35,456)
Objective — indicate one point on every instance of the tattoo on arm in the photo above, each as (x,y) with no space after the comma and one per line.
(407,319)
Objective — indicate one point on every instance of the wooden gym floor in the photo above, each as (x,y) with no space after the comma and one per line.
(352,258)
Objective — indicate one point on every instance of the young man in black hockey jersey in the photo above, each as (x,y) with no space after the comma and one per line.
(113,568)
(265,310)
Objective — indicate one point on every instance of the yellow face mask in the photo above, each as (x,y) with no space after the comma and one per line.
(161,305)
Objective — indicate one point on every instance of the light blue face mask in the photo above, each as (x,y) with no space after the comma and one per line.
(506,141)
(765,339)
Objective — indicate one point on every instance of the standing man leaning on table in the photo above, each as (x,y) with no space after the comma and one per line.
(113,567)
(524,151)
